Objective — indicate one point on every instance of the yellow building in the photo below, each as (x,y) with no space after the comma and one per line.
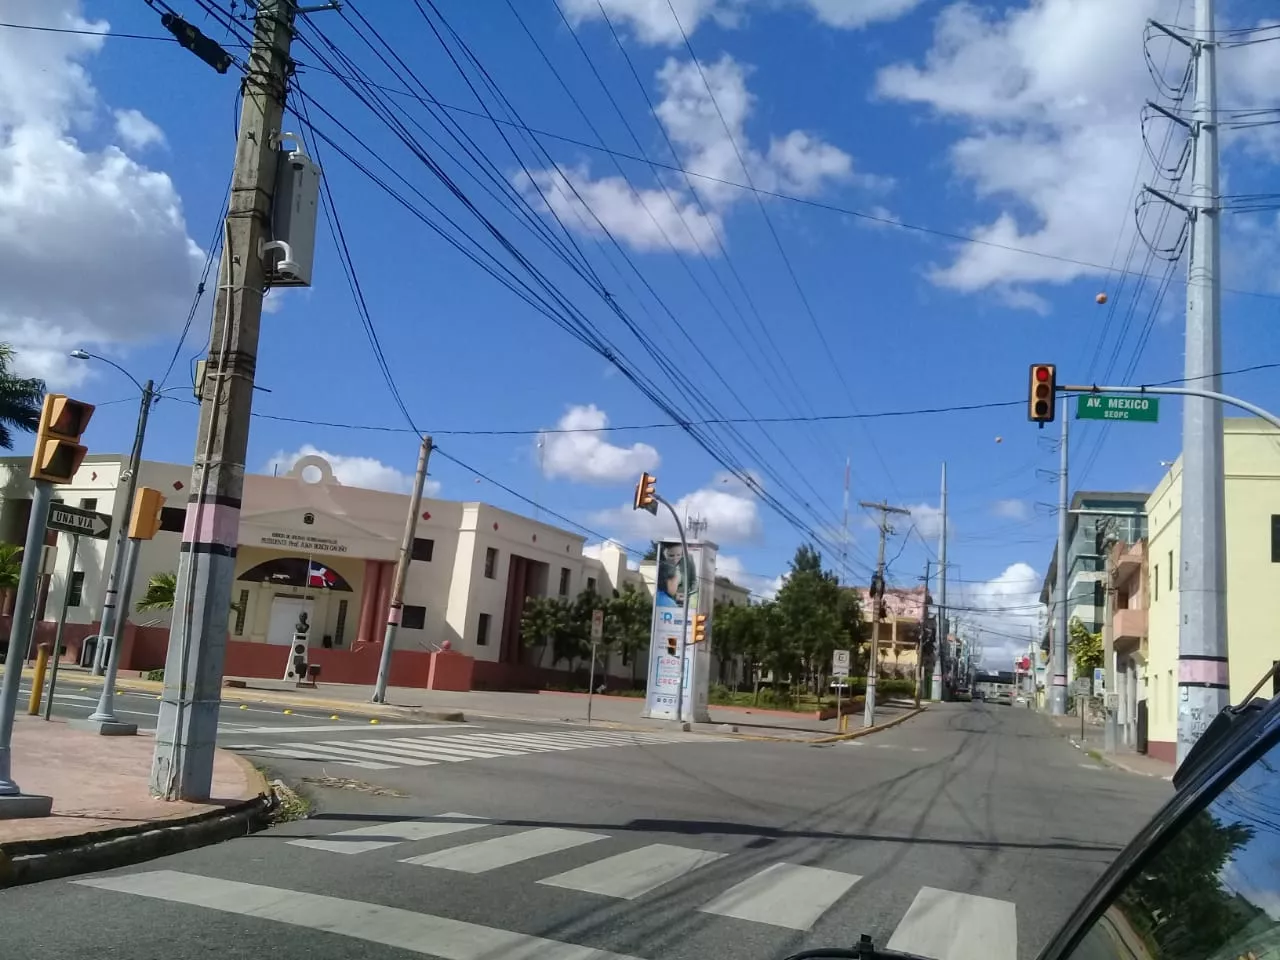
(1252,453)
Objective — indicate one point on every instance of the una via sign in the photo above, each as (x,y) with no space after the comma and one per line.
(1093,406)
(78,521)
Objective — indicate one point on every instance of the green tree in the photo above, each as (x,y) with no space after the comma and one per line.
(1085,647)
(809,608)
(628,616)
(541,623)
(161,588)
(20,400)
(10,565)
(652,553)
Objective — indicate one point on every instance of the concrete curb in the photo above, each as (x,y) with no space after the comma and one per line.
(32,861)
(283,697)
(865,731)
(1099,757)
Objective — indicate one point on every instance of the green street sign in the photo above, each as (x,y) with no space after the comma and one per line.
(1092,406)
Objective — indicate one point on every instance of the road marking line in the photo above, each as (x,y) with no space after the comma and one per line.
(957,926)
(470,751)
(339,748)
(350,841)
(310,753)
(512,743)
(419,933)
(783,895)
(485,855)
(632,874)
(411,749)
(337,728)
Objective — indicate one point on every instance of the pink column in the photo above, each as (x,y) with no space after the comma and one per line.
(368,601)
(384,599)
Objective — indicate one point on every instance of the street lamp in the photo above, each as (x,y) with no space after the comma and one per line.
(111,617)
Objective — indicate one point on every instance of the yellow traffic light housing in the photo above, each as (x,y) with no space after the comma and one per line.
(646,493)
(145,520)
(58,452)
(1041,407)
(671,646)
(699,628)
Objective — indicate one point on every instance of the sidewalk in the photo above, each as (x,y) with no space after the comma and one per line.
(1125,758)
(103,813)
(416,703)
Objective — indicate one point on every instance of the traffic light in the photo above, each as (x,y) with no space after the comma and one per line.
(145,521)
(59,453)
(646,493)
(1041,407)
(671,646)
(699,628)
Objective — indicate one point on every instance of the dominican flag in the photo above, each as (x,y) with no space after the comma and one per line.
(322,577)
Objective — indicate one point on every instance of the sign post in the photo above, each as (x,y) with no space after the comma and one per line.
(78,522)
(597,632)
(1084,685)
(840,671)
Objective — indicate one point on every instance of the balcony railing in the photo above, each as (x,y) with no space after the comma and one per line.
(1129,625)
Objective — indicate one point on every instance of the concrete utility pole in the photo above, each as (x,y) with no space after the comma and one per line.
(924,619)
(1203,676)
(402,571)
(112,616)
(876,595)
(1058,645)
(935,692)
(187,728)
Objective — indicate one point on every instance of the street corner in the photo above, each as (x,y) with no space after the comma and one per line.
(867,731)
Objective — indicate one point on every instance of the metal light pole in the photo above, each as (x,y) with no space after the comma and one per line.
(111,617)
(1058,651)
(684,628)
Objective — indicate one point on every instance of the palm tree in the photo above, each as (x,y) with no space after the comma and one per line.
(20,400)
(160,592)
(10,565)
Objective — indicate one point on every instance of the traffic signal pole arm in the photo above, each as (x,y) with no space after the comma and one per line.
(1183,392)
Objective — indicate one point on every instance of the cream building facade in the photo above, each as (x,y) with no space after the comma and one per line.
(1252,453)
(309,543)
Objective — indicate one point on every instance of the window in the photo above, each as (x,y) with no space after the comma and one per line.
(242,607)
(1099,594)
(75,589)
(422,549)
(1155,583)
(482,631)
(88,503)
(1170,570)
(591,584)
(564,581)
(173,519)
(340,628)
(1275,538)
(413,617)
(490,562)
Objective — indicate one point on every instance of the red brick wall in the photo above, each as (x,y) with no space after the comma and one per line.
(409,668)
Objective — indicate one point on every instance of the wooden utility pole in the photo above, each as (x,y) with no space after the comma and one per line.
(182,767)
(402,571)
(877,598)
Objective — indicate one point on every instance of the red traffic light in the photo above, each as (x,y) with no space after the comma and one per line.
(1042,374)
(1041,394)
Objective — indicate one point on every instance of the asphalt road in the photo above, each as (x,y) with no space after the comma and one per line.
(968,832)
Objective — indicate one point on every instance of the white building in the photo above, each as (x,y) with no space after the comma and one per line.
(309,543)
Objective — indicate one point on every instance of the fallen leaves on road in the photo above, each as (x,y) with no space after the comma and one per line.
(345,783)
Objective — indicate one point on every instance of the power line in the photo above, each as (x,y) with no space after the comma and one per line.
(87,33)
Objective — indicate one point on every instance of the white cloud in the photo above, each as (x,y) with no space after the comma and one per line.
(1005,609)
(136,130)
(364,472)
(1011,509)
(762,586)
(94,250)
(712,149)
(644,219)
(731,512)
(653,22)
(928,520)
(1051,94)
(586,455)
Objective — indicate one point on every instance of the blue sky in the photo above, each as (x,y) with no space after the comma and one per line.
(1015,123)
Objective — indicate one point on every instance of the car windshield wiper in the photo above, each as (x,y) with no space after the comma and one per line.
(864,949)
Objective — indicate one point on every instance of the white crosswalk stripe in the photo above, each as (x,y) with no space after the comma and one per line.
(485,855)
(783,895)
(376,836)
(939,924)
(634,873)
(386,753)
